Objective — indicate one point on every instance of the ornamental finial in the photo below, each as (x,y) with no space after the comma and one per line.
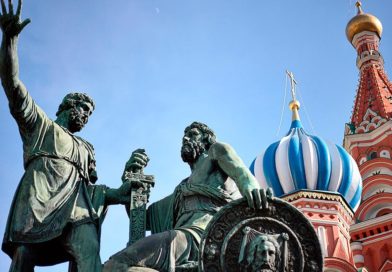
(358,4)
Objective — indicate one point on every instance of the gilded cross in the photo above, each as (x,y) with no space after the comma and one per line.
(293,84)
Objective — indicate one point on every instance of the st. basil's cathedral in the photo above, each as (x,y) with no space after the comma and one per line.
(346,192)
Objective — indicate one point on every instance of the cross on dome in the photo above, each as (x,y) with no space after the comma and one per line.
(294,104)
(293,83)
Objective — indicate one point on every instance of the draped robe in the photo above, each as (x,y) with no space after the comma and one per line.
(55,188)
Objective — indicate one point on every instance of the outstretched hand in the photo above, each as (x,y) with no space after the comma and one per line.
(10,22)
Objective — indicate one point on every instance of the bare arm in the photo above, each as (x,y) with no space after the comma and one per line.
(232,165)
(11,25)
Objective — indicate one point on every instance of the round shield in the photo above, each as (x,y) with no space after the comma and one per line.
(277,238)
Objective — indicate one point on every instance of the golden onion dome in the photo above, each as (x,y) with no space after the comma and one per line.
(363,22)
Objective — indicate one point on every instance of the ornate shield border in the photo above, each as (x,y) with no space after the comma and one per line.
(221,243)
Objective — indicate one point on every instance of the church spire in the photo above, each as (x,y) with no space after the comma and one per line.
(374,94)
(368,140)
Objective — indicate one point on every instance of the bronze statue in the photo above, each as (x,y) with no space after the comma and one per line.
(56,212)
(57,209)
(178,221)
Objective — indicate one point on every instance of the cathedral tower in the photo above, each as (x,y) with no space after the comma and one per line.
(368,139)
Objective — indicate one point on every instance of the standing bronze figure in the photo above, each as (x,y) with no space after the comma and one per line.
(56,212)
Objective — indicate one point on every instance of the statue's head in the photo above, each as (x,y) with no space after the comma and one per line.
(76,108)
(198,138)
(263,254)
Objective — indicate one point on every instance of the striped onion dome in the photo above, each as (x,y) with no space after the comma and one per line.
(300,161)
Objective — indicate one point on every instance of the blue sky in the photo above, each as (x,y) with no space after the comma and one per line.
(155,66)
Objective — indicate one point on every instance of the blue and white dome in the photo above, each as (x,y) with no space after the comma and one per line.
(300,161)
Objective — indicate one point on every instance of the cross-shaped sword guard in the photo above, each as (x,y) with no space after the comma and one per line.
(138,202)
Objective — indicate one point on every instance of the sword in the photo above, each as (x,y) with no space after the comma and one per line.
(137,208)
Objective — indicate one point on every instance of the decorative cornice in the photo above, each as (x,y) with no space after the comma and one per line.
(371,222)
(385,236)
(330,196)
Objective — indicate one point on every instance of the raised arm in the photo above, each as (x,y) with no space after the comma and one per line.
(232,165)
(11,25)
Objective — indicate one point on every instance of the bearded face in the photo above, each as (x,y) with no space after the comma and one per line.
(261,255)
(191,150)
(76,120)
(265,258)
(78,116)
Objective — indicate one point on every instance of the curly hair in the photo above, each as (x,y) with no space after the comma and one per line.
(209,135)
(73,99)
